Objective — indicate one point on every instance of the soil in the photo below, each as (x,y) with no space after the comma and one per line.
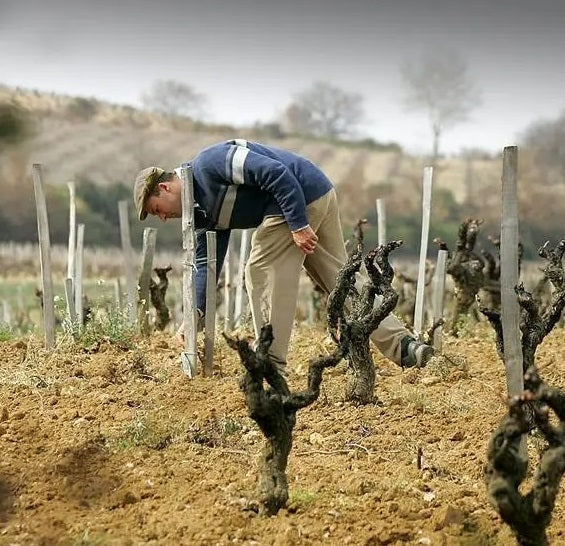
(107,445)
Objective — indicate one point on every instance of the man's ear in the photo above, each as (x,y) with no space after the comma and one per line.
(164,186)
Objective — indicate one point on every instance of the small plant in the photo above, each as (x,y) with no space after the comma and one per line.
(417,399)
(112,327)
(231,426)
(300,498)
(146,432)
(6,333)
(86,539)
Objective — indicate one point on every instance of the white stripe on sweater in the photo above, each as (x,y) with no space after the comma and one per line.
(226,209)
(237,162)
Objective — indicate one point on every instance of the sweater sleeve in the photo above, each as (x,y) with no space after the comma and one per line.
(222,241)
(240,165)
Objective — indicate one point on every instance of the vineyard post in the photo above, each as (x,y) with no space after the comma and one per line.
(420,287)
(149,239)
(118,294)
(228,289)
(211,288)
(77,286)
(438,297)
(6,314)
(71,253)
(381,222)
(240,286)
(127,253)
(509,241)
(189,355)
(69,297)
(44,258)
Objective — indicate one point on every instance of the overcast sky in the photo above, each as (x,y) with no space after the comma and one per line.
(250,56)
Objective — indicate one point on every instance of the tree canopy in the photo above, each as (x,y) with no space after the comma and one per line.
(173,98)
(439,83)
(325,110)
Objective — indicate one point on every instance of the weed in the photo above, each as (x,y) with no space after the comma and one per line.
(138,363)
(112,327)
(231,426)
(417,399)
(147,432)
(301,498)
(444,365)
(6,333)
(85,539)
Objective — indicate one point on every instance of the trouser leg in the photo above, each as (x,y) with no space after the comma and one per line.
(326,262)
(272,275)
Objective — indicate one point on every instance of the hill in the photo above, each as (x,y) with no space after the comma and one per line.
(78,138)
(102,146)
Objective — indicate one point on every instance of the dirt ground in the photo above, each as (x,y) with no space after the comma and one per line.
(118,447)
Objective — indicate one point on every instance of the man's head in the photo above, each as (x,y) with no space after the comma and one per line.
(157,192)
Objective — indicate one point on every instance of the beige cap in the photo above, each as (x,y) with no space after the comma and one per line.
(145,183)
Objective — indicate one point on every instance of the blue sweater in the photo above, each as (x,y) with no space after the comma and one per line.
(238,183)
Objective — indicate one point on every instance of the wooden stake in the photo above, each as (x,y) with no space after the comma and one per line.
(228,289)
(71,313)
(129,266)
(189,355)
(420,287)
(381,222)
(210,326)
(71,252)
(44,258)
(118,294)
(509,240)
(77,286)
(6,314)
(240,286)
(439,297)
(149,240)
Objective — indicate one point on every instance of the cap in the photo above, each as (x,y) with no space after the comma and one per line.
(145,183)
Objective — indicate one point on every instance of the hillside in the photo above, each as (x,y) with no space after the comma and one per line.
(77,138)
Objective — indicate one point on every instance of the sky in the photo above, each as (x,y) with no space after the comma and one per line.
(251,57)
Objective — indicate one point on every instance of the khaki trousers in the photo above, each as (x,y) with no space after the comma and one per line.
(273,271)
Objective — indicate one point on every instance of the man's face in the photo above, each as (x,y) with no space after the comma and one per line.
(168,203)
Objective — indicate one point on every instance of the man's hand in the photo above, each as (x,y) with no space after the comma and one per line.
(179,335)
(305,239)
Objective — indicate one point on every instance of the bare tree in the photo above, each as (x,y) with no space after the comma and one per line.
(439,83)
(173,98)
(546,141)
(325,110)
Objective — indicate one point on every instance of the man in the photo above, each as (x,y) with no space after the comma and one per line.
(240,184)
